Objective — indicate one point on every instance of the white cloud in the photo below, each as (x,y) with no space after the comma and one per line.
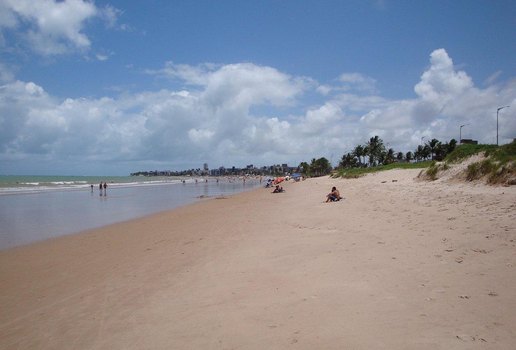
(214,119)
(200,135)
(239,85)
(52,27)
(440,85)
(101,57)
(357,81)
(324,89)
(110,15)
(191,75)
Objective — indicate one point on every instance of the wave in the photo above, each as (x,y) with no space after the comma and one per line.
(32,184)
(24,187)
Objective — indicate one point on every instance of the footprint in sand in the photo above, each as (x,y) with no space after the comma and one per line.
(466,337)
(483,251)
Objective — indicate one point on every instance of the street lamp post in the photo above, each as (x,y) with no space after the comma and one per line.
(498,110)
(460,133)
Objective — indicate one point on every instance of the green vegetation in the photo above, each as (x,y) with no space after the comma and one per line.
(432,171)
(374,156)
(317,167)
(434,168)
(464,151)
(504,153)
(499,166)
(351,173)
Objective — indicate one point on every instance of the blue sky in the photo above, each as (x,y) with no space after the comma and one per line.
(111,87)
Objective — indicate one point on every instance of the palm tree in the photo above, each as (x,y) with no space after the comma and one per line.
(348,161)
(375,147)
(359,151)
(366,153)
(433,146)
(388,157)
(320,166)
(304,168)
(451,146)
(426,152)
(419,154)
(313,167)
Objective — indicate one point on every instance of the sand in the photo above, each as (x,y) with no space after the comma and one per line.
(398,264)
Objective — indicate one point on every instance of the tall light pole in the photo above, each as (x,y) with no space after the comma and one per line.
(498,110)
(460,133)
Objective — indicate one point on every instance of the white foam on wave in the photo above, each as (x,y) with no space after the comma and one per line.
(36,187)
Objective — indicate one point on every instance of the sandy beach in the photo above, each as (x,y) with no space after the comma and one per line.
(398,264)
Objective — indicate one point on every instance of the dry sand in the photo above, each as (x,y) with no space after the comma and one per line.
(398,264)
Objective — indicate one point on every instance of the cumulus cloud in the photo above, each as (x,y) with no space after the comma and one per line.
(238,85)
(440,85)
(51,27)
(243,113)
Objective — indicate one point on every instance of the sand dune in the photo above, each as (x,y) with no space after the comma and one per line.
(398,264)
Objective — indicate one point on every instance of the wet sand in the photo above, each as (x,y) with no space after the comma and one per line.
(398,264)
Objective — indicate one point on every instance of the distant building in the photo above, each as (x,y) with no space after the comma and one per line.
(468,142)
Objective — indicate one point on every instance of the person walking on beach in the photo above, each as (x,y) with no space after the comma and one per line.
(100,188)
(105,189)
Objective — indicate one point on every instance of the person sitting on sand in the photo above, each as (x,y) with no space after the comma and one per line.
(278,189)
(334,195)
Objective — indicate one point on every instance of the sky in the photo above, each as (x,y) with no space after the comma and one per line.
(113,87)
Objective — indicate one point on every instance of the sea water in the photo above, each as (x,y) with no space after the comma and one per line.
(34,208)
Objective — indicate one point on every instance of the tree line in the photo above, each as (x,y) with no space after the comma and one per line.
(374,153)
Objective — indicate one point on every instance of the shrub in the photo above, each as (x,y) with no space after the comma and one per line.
(432,171)
(473,171)
(487,166)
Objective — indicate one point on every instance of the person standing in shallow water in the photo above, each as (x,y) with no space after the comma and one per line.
(100,188)
(105,189)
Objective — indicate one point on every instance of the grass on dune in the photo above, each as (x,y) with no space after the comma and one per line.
(498,166)
(358,172)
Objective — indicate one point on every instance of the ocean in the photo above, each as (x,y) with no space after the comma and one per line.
(34,208)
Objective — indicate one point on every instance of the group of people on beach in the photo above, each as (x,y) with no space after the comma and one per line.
(333,196)
(102,188)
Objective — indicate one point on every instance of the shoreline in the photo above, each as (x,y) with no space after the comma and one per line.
(397,264)
(28,218)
